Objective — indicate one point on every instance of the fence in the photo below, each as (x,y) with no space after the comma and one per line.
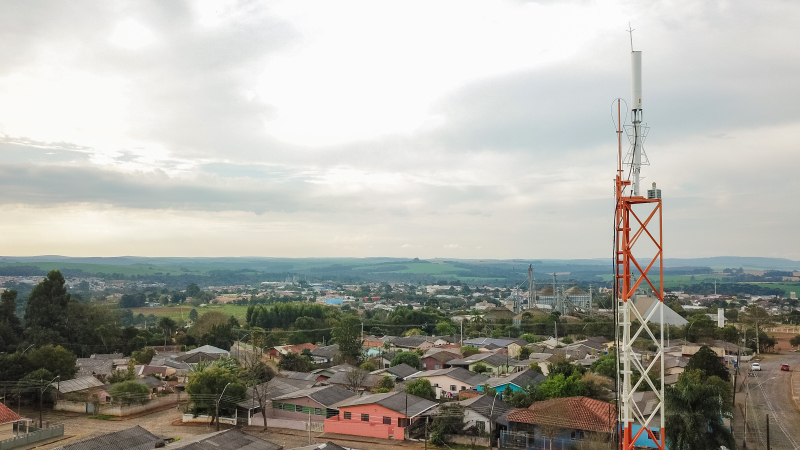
(115,409)
(39,434)
(509,439)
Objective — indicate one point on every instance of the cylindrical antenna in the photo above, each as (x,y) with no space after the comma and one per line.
(636,111)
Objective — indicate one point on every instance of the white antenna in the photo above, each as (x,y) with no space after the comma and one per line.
(636,113)
(630,31)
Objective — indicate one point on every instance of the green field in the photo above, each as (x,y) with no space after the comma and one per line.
(174,312)
(430,268)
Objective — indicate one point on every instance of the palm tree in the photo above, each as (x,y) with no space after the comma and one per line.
(695,408)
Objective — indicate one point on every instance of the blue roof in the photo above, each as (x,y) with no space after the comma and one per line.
(334,301)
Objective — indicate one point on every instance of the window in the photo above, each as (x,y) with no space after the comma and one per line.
(425,366)
(298,408)
(319,411)
(276,405)
(288,407)
(481,426)
(347,415)
(657,434)
(436,366)
(453,387)
(308,410)
(365,417)
(576,435)
(463,388)
(387,420)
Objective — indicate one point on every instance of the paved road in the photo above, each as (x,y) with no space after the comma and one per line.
(771,393)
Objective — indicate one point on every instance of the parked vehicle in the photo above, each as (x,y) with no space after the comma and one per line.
(785,367)
(755,366)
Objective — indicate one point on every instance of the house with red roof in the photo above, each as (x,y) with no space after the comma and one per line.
(562,420)
(7,420)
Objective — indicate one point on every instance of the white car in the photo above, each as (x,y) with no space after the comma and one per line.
(756,366)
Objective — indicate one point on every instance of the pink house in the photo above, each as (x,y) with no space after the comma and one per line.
(378,415)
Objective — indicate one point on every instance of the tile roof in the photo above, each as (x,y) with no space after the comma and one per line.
(324,395)
(135,438)
(77,384)
(442,356)
(399,402)
(300,347)
(89,366)
(581,413)
(7,415)
(232,439)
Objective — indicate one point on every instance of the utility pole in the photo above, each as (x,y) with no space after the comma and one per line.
(768,446)
(218,400)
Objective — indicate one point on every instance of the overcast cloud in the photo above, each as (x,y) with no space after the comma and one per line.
(432,129)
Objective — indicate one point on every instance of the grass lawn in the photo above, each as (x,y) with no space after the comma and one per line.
(174,312)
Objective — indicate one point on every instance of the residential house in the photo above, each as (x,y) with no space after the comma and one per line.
(483,411)
(496,363)
(436,359)
(98,368)
(494,342)
(7,420)
(688,350)
(313,404)
(232,439)
(414,342)
(328,372)
(250,407)
(134,438)
(278,351)
(573,419)
(81,389)
(324,355)
(305,376)
(378,415)
(210,349)
(196,357)
(515,382)
(154,384)
(449,382)
(498,313)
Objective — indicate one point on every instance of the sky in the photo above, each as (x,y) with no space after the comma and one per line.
(460,129)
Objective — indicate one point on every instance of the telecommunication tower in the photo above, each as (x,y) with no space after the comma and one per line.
(639,254)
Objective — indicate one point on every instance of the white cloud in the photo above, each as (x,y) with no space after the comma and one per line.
(131,35)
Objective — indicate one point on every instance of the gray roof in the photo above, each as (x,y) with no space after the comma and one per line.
(483,342)
(232,439)
(77,384)
(151,382)
(519,378)
(196,357)
(341,378)
(298,375)
(324,395)
(395,401)
(411,341)
(402,370)
(135,438)
(487,406)
(456,373)
(490,359)
(276,387)
(89,366)
(209,349)
(329,351)
(107,356)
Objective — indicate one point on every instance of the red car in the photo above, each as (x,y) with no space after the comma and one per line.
(785,367)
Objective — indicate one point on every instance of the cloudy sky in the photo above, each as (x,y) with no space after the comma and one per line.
(463,129)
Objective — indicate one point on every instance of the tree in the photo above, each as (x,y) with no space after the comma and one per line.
(136,300)
(605,365)
(469,351)
(695,409)
(414,332)
(47,307)
(56,360)
(524,353)
(422,388)
(795,341)
(193,290)
(445,328)
(168,326)
(193,315)
(33,385)
(347,333)
(561,365)
(356,379)
(10,325)
(559,386)
(756,316)
(706,360)
(480,368)
(143,356)
(206,387)
(294,362)
(410,358)
(597,386)
(204,323)
(448,420)
(386,382)
(368,366)
(130,393)
(258,375)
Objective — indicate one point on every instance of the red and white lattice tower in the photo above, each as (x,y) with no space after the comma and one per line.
(639,271)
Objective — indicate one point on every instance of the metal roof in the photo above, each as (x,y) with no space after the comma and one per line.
(402,370)
(518,378)
(456,373)
(298,375)
(232,439)
(341,378)
(486,406)
(135,438)
(399,402)
(77,384)
(324,395)
(276,387)
(209,349)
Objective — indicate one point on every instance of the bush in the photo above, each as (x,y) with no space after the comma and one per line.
(469,351)
(130,393)
(410,358)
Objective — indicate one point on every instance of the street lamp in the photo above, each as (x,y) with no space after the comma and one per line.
(41,394)
(218,400)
